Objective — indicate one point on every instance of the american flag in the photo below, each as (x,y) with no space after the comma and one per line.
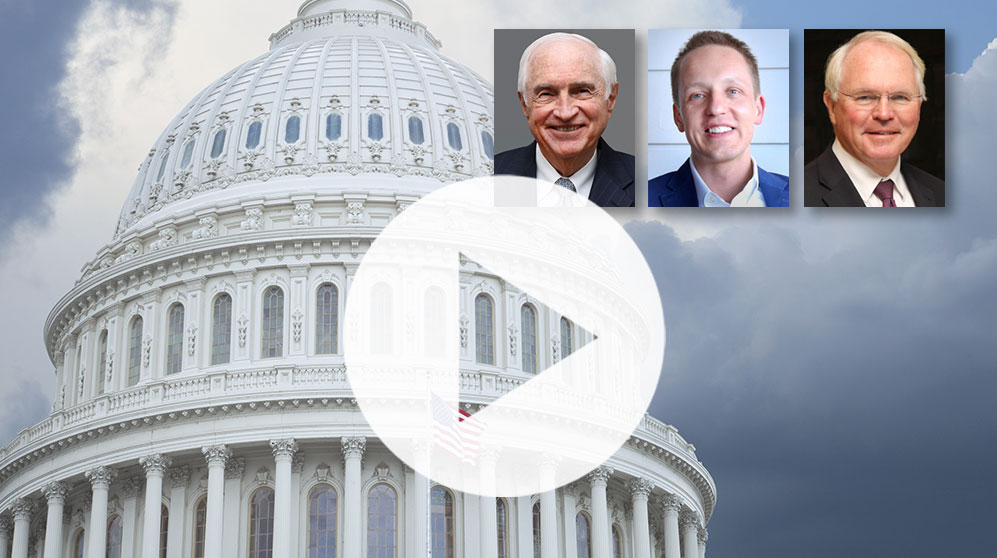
(456,431)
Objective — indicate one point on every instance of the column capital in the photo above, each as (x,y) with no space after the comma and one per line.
(353,446)
(216,456)
(22,508)
(55,492)
(297,462)
(235,467)
(179,476)
(703,536)
(671,503)
(600,476)
(101,477)
(132,487)
(571,489)
(284,448)
(689,521)
(155,464)
(640,488)
(6,525)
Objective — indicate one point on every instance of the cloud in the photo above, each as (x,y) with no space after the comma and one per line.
(24,405)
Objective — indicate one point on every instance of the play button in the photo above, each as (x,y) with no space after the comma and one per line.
(466,385)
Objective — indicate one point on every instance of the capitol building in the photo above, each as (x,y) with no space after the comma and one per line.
(203,408)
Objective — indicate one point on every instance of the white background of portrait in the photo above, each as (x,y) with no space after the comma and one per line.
(667,148)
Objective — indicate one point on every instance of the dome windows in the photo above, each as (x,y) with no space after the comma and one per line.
(272,340)
(174,343)
(415,134)
(218,144)
(375,126)
(292,129)
(188,153)
(162,165)
(135,351)
(453,137)
(488,144)
(221,329)
(333,126)
(253,135)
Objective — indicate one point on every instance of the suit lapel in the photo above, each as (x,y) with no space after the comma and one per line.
(838,188)
(923,196)
(611,176)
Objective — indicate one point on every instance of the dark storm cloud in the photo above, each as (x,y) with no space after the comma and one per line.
(844,403)
(37,138)
(22,406)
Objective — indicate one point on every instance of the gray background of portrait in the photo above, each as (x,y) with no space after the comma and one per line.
(511,128)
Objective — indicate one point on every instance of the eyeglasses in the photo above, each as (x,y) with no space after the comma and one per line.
(868,99)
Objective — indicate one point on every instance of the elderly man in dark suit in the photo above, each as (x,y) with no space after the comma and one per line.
(567,89)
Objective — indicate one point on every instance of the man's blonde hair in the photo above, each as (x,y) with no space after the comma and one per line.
(836,62)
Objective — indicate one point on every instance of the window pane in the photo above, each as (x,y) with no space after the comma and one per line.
(381,522)
(442,522)
(164,527)
(536,530)
(221,329)
(374,127)
(292,131)
(453,137)
(617,542)
(200,520)
(333,126)
(489,144)
(253,136)
(322,522)
(218,144)
(415,130)
(529,318)
(174,343)
(500,516)
(261,520)
(188,152)
(135,351)
(162,166)
(273,323)
(567,338)
(582,536)
(79,548)
(326,319)
(484,330)
(114,537)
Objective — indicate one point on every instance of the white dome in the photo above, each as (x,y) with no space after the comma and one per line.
(366,89)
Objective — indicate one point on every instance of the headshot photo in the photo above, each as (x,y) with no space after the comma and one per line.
(564,110)
(874,115)
(718,118)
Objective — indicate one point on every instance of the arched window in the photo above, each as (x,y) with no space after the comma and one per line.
(114,537)
(501,522)
(567,337)
(415,134)
(79,544)
(322,522)
(273,323)
(253,135)
(583,534)
(333,126)
(536,530)
(375,128)
(442,522)
(484,329)
(221,329)
(218,143)
(135,351)
(453,137)
(174,340)
(326,319)
(200,520)
(381,324)
(164,527)
(188,152)
(617,542)
(261,524)
(488,142)
(434,335)
(162,166)
(529,318)
(382,519)
(102,365)
(292,129)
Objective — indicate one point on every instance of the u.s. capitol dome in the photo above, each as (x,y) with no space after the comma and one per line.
(202,405)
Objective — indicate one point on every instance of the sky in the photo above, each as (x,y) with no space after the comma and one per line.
(834,369)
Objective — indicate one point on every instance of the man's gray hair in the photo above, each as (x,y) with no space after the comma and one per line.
(606,63)
(836,62)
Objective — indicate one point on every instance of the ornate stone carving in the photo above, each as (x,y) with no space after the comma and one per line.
(513,332)
(640,488)
(191,339)
(262,476)
(254,220)
(55,492)
(208,228)
(332,150)
(555,348)
(353,446)
(22,508)
(600,476)
(131,487)
(216,455)
(297,462)
(146,351)
(101,477)
(167,238)
(322,471)
(243,326)
(302,214)
(109,371)
(671,504)
(464,322)
(702,536)
(689,520)
(382,472)
(290,151)
(155,464)
(6,526)
(235,467)
(354,210)
(375,148)
(179,476)
(296,324)
(284,449)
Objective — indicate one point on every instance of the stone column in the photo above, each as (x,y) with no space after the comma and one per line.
(524,526)
(569,501)
(283,453)
(353,448)
(472,525)
(234,468)
(131,488)
(690,534)
(297,466)
(601,529)
(155,466)
(670,506)
(421,515)
(55,495)
(179,477)
(640,490)
(6,528)
(100,478)
(487,514)
(21,510)
(704,535)
(548,525)
(216,457)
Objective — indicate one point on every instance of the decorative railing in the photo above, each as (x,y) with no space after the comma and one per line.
(358,18)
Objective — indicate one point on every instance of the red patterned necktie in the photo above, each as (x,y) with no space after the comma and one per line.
(884,191)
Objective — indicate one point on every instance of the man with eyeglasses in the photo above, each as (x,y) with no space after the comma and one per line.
(874,89)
